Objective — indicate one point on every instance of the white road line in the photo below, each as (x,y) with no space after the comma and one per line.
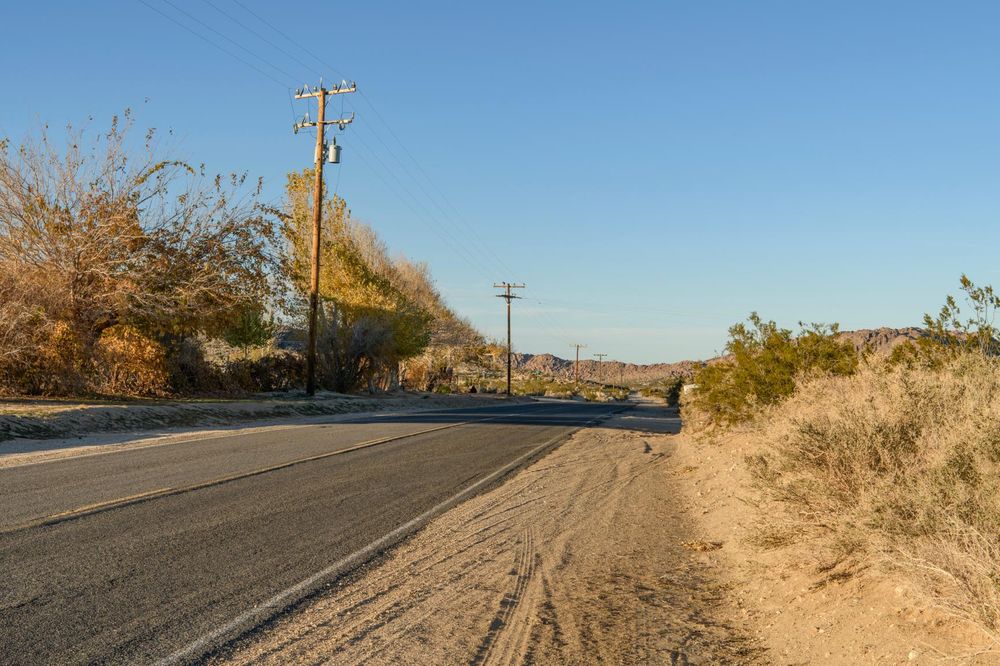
(286,596)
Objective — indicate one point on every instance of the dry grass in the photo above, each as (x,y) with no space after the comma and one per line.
(892,466)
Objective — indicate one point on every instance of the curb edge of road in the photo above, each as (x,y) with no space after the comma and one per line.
(244,624)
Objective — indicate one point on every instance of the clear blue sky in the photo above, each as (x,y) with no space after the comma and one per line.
(652,170)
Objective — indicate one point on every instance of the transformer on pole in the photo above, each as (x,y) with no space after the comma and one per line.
(323,152)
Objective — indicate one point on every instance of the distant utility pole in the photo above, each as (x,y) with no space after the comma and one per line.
(576,366)
(508,296)
(600,367)
(320,94)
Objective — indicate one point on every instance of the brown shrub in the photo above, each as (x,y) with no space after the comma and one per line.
(272,372)
(128,363)
(53,362)
(898,465)
(189,372)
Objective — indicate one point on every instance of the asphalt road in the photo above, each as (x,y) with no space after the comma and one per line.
(162,553)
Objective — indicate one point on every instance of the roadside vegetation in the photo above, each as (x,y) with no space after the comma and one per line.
(667,390)
(542,386)
(124,272)
(866,461)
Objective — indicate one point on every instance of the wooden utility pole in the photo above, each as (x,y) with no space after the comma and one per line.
(320,94)
(508,296)
(600,367)
(576,366)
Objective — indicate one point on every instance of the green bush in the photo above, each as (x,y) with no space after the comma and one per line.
(949,335)
(762,365)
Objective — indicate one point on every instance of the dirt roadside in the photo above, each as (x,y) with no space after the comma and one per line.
(586,556)
(795,610)
(625,545)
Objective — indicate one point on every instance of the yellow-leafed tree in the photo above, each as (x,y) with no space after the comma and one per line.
(370,318)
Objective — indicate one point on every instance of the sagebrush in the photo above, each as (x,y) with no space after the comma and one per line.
(898,465)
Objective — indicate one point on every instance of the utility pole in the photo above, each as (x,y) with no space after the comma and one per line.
(600,367)
(320,94)
(576,366)
(508,296)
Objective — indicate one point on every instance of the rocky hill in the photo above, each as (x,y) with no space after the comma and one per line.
(882,340)
(611,372)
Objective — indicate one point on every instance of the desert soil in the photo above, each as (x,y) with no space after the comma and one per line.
(589,555)
(800,614)
(626,545)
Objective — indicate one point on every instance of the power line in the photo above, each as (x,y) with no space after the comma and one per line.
(508,295)
(455,242)
(576,366)
(320,124)
(230,40)
(395,191)
(427,217)
(261,37)
(470,248)
(221,48)
(381,118)
(487,251)
(476,246)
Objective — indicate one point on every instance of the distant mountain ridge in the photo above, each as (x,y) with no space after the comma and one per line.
(610,371)
(881,341)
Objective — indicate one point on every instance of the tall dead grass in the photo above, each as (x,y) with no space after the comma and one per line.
(897,466)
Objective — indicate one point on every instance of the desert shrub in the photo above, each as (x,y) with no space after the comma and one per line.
(672,392)
(54,363)
(128,363)
(189,371)
(949,334)
(250,327)
(668,390)
(417,374)
(436,365)
(24,328)
(105,244)
(271,372)
(763,364)
(554,388)
(895,464)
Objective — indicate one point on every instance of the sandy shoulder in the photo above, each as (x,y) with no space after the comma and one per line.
(800,614)
(579,558)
